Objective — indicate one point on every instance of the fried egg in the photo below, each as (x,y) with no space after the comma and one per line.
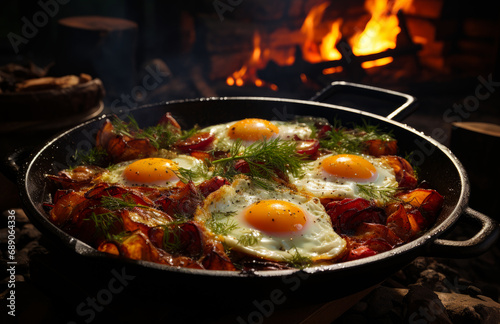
(338,175)
(150,172)
(250,130)
(275,225)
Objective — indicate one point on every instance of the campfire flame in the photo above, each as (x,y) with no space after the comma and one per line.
(248,72)
(379,34)
(381,30)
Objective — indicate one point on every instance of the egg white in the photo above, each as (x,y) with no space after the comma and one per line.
(324,185)
(115,174)
(317,240)
(287,131)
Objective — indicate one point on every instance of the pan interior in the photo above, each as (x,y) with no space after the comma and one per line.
(436,164)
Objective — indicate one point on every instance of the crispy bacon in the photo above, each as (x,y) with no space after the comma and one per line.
(209,186)
(307,147)
(121,147)
(215,257)
(378,147)
(168,119)
(348,214)
(198,142)
(182,200)
(187,238)
(403,170)
(77,178)
(429,202)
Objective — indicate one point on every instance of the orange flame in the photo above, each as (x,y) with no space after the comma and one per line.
(381,30)
(379,34)
(248,72)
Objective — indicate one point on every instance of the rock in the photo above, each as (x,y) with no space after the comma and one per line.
(20,215)
(4,235)
(467,310)
(433,280)
(29,233)
(422,305)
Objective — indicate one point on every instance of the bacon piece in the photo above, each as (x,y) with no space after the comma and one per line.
(168,119)
(368,231)
(121,147)
(209,186)
(138,247)
(399,222)
(77,178)
(215,257)
(308,147)
(429,202)
(66,202)
(186,237)
(198,142)
(182,200)
(348,214)
(378,147)
(403,170)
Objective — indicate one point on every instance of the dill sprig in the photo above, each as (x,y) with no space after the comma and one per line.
(194,174)
(265,159)
(249,239)
(115,203)
(297,260)
(160,136)
(105,222)
(221,224)
(171,238)
(119,237)
(344,140)
(94,156)
(382,194)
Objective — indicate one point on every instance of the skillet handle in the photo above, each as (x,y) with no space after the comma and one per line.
(11,164)
(377,97)
(476,245)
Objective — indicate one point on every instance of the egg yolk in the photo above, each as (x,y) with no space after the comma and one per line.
(275,217)
(252,129)
(151,171)
(349,166)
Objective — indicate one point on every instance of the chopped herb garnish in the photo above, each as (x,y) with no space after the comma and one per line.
(265,159)
(115,203)
(221,223)
(343,140)
(249,239)
(296,260)
(382,194)
(105,222)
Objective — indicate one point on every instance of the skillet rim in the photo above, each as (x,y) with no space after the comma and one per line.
(86,250)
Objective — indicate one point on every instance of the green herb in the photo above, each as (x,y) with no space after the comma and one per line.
(297,260)
(194,174)
(120,237)
(343,140)
(266,159)
(371,192)
(94,156)
(115,203)
(105,222)
(160,136)
(221,223)
(171,238)
(249,239)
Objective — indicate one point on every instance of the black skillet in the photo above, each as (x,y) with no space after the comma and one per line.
(436,163)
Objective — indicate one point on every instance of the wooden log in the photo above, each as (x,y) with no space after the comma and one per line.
(103,47)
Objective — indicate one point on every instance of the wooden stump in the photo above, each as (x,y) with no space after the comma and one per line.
(103,47)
